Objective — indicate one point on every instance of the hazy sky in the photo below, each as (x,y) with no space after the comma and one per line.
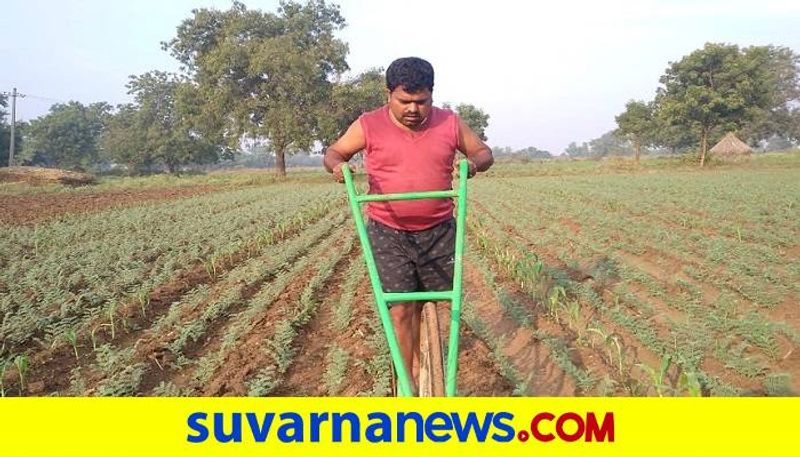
(548,73)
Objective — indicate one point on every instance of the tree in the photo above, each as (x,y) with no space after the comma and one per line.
(777,143)
(263,74)
(67,137)
(781,84)
(666,134)
(636,123)
(610,144)
(475,118)
(575,151)
(158,128)
(349,99)
(794,123)
(124,141)
(723,88)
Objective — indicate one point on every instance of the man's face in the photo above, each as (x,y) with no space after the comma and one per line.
(409,109)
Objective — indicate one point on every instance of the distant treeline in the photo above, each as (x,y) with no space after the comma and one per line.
(272,84)
(273,79)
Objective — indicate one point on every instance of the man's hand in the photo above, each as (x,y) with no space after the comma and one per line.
(471,168)
(338,174)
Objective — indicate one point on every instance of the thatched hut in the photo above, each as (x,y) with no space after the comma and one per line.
(730,147)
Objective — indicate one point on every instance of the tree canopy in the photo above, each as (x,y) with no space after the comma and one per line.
(67,137)
(637,124)
(721,88)
(159,128)
(475,118)
(348,99)
(263,74)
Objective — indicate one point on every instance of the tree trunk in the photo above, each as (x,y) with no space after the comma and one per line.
(703,148)
(637,144)
(280,161)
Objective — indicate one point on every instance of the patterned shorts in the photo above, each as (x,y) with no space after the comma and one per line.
(411,261)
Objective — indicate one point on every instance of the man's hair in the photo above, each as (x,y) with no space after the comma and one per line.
(413,73)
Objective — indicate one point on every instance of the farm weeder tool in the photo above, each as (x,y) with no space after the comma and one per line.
(434,379)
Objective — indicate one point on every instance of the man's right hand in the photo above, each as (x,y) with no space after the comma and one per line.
(338,175)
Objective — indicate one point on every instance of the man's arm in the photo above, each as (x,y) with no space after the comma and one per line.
(340,152)
(470,144)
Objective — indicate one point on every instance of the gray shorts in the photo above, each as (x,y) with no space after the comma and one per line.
(412,261)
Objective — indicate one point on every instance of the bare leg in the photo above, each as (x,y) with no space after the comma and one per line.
(405,318)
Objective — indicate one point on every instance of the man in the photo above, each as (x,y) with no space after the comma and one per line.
(409,146)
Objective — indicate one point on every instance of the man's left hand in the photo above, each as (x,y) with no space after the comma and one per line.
(471,169)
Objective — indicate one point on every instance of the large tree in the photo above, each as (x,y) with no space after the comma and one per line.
(473,116)
(722,88)
(66,137)
(158,129)
(794,121)
(575,151)
(263,74)
(781,84)
(610,144)
(636,123)
(348,100)
(124,143)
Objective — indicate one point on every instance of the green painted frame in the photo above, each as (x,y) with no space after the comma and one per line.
(383,298)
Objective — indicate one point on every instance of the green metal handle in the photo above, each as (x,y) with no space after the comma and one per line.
(383,298)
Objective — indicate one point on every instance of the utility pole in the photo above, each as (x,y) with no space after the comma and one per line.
(14,94)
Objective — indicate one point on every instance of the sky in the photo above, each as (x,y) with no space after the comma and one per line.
(547,73)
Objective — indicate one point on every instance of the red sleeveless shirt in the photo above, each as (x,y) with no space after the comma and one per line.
(398,160)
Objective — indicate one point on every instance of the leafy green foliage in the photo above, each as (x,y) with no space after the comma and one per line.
(474,117)
(67,137)
(348,99)
(636,123)
(722,88)
(262,74)
(157,130)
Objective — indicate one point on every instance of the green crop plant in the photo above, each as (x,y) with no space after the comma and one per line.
(610,342)
(71,336)
(210,265)
(166,389)
(93,336)
(554,297)
(77,383)
(574,317)
(778,385)
(515,310)
(689,382)
(143,296)
(607,386)
(335,369)
(658,377)
(23,365)
(111,312)
(3,367)
(264,383)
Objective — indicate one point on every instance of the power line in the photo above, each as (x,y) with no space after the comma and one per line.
(46,98)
